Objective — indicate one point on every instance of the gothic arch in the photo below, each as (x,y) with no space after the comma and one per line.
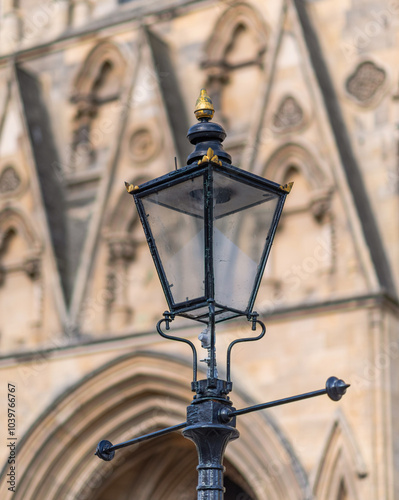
(21,279)
(105,60)
(341,464)
(98,84)
(310,203)
(133,395)
(235,18)
(294,154)
(234,56)
(15,221)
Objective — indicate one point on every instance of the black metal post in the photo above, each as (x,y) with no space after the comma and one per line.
(210,438)
(204,426)
(211,419)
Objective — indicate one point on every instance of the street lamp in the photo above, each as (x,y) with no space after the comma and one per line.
(210,227)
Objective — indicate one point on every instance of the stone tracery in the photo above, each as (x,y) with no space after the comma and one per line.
(9,180)
(235,49)
(98,83)
(20,263)
(289,114)
(310,203)
(341,464)
(123,242)
(365,82)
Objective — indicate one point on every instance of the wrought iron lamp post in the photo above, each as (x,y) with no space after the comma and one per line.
(210,227)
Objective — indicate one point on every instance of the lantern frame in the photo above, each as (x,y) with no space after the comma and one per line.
(198,308)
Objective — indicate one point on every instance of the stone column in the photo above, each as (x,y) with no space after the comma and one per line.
(121,251)
(81,12)
(11,31)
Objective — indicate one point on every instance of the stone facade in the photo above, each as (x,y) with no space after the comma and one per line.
(95,93)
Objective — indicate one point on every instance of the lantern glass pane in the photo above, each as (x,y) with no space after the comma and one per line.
(243,218)
(225,264)
(176,221)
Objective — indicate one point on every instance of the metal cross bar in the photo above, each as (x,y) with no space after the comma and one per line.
(106,450)
(335,389)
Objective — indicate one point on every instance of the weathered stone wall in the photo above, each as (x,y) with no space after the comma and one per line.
(93,94)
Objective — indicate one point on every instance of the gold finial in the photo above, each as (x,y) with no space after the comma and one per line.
(287,187)
(130,187)
(204,107)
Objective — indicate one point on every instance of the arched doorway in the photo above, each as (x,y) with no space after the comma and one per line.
(165,469)
(131,396)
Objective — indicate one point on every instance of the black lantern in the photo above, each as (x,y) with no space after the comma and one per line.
(210,227)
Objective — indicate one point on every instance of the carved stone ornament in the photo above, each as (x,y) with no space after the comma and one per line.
(321,203)
(111,285)
(142,145)
(9,180)
(121,249)
(289,114)
(365,81)
(32,267)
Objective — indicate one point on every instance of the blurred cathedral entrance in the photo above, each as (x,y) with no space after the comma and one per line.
(165,469)
(132,395)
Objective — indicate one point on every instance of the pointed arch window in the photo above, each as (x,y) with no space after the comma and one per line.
(98,84)
(331,265)
(234,57)
(20,281)
(308,220)
(342,493)
(341,465)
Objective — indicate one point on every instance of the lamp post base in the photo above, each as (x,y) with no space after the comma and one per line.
(210,438)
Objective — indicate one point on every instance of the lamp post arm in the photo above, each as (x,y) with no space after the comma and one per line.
(253,317)
(167,319)
(335,389)
(106,450)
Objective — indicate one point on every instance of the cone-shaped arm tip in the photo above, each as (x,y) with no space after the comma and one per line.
(336,388)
